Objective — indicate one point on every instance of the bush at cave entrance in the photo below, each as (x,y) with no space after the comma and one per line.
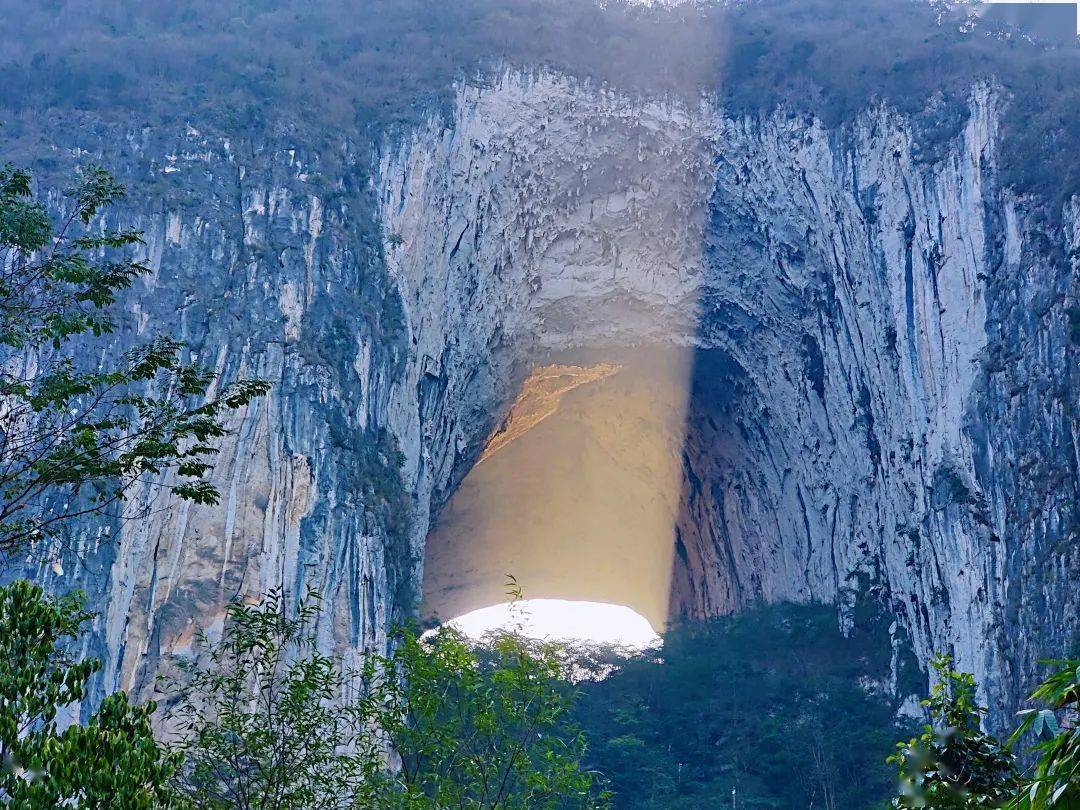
(482,726)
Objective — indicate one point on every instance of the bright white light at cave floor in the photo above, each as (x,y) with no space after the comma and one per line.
(562,620)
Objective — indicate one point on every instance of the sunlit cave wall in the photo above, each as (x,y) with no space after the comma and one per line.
(577,498)
(551,224)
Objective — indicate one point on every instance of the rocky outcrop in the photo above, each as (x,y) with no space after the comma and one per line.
(540,396)
(881,379)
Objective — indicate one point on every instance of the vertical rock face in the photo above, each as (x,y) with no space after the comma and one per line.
(265,268)
(883,392)
(863,299)
(853,416)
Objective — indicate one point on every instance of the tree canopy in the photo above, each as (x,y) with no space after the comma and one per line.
(775,704)
(267,722)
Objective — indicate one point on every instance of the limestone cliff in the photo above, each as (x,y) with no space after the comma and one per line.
(858,316)
(883,383)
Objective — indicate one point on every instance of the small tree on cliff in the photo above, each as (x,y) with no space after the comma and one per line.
(73,440)
(261,720)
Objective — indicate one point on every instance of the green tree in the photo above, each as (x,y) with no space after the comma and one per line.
(954,763)
(771,702)
(486,726)
(73,440)
(262,722)
(112,761)
(1054,780)
(267,721)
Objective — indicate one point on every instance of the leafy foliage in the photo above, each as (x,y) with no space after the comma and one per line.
(262,723)
(112,761)
(772,703)
(258,722)
(954,763)
(480,727)
(1055,779)
(73,440)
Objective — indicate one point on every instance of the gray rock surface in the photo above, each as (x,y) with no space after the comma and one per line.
(883,394)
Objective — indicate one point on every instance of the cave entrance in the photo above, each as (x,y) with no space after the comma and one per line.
(566,620)
(576,496)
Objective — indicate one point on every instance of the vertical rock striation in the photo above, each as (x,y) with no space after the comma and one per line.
(854,418)
(865,305)
(883,394)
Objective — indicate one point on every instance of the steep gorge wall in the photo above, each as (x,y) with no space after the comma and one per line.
(865,298)
(853,420)
(883,392)
(261,264)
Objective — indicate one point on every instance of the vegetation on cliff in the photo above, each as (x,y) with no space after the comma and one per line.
(326,69)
